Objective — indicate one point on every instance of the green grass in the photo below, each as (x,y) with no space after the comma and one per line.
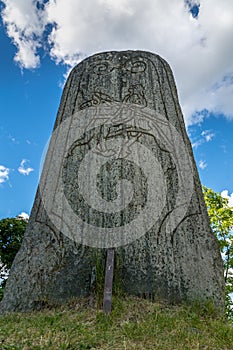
(133,324)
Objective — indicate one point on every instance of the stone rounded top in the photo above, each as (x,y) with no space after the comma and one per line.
(116,56)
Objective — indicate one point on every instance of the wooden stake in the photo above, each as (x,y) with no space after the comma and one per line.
(107,302)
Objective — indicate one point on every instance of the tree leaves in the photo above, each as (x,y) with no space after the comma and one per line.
(11,235)
(221,220)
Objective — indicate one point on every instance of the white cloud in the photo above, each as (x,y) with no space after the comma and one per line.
(208,135)
(23,215)
(4,174)
(199,50)
(202,164)
(24,170)
(198,143)
(25,24)
(225,194)
(12,138)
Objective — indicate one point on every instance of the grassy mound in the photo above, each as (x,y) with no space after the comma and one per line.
(133,324)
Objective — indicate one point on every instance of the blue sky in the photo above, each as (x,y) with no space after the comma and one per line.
(41,40)
(29,101)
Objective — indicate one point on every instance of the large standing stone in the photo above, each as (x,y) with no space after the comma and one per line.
(119,122)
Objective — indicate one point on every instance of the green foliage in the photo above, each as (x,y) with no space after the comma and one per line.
(221,220)
(11,235)
(134,324)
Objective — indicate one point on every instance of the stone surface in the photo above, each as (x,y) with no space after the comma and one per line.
(170,253)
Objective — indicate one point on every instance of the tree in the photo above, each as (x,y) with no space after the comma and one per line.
(11,234)
(221,220)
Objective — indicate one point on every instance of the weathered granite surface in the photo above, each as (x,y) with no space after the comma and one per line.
(177,258)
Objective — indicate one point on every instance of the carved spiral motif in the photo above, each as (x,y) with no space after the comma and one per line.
(108,174)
